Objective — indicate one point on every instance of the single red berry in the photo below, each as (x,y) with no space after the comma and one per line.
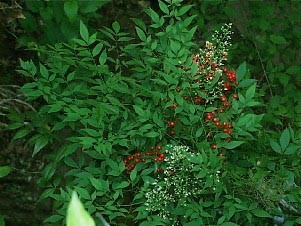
(214,146)
(235,96)
(137,160)
(172,124)
(179,89)
(215,120)
(226,104)
(156,159)
(209,116)
(220,155)
(230,126)
(223,98)
(143,160)
(153,147)
(197,100)
(225,70)
(185,97)
(162,155)
(225,124)
(217,124)
(159,148)
(138,154)
(125,161)
(172,133)
(221,110)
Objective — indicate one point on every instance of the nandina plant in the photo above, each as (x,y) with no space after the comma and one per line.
(113,108)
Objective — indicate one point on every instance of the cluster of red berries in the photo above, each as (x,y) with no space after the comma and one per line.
(155,155)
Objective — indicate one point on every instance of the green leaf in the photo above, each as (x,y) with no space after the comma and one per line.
(96,50)
(294,70)
(233,144)
(76,213)
(116,27)
(4,171)
(121,185)
(44,71)
(21,133)
(71,8)
(290,150)
(54,218)
(275,146)
(284,139)
(277,39)
(141,34)
(251,92)
(184,10)
(133,174)
(40,143)
(241,71)
(139,111)
(103,57)
(84,33)
(261,213)
(163,7)
(229,224)
(152,134)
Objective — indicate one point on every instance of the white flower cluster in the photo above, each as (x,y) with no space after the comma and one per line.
(178,185)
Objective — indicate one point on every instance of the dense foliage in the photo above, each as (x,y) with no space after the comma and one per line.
(190,121)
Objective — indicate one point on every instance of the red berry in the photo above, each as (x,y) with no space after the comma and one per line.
(227,86)
(225,70)
(220,154)
(174,106)
(172,133)
(159,148)
(137,160)
(235,96)
(138,154)
(209,116)
(143,160)
(226,104)
(214,146)
(156,159)
(225,124)
(221,110)
(159,170)
(215,120)
(162,155)
(179,89)
(217,124)
(153,147)
(185,97)
(223,98)
(125,161)
(172,124)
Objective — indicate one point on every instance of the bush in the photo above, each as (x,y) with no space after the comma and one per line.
(148,133)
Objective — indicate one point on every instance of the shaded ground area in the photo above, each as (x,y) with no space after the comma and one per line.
(19,192)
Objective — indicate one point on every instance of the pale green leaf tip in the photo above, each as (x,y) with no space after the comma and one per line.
(76,213)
